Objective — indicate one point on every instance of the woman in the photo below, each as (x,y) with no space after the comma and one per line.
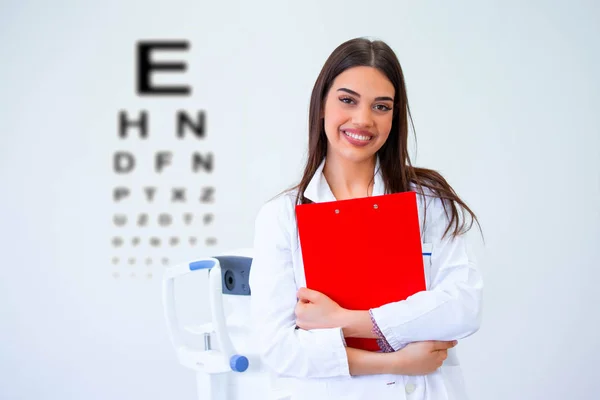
(358,131)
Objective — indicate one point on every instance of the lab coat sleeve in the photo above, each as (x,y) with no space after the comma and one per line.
(286,350)
(450,308)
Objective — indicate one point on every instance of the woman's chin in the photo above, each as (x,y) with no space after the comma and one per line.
(355,155)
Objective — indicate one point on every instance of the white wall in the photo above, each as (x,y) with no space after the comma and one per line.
(505,98)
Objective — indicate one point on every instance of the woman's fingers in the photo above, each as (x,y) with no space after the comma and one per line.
(443,354)
(307,295)
(439,345)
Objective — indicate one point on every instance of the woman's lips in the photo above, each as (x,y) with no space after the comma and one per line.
(357,137)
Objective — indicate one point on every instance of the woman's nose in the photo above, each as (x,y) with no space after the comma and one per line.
(363,117)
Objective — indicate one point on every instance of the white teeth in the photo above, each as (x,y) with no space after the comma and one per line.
(357,137)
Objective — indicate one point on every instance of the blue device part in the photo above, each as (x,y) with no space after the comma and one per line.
(202,264)
(426,254)
(238,363)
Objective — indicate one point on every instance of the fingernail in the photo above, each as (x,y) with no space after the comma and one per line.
(455,342)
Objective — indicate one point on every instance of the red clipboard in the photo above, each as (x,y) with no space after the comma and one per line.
(363,253)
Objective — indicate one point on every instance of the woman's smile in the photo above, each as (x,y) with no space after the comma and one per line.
(357,137)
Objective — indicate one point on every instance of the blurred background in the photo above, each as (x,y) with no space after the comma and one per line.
(505,99)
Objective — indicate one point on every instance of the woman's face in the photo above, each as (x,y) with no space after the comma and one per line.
(358,113)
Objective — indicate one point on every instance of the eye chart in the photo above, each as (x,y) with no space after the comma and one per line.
(163,190)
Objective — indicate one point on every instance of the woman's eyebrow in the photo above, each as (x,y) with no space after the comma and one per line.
(352,92)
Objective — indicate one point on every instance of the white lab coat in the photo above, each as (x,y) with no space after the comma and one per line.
(314,362)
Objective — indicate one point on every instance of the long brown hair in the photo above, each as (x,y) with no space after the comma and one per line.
(396,168)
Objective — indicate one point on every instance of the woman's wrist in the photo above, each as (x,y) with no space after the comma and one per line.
(397,363)
(356,324)
(362,362)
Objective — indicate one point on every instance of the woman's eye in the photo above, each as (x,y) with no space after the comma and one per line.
(346,100)
(382,107)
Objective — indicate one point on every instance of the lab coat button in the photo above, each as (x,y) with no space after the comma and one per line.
(410,387)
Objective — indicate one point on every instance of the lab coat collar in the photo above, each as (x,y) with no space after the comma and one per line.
(318,190)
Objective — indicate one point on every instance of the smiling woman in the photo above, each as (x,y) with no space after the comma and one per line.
(358,115)
(358,131)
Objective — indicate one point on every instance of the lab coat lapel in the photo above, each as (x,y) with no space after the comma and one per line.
(318,189)
(378,185)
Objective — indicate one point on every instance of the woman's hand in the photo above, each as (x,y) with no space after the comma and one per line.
(421,358)
(315,310)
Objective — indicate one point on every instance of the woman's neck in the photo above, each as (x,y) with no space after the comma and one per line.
(348,179)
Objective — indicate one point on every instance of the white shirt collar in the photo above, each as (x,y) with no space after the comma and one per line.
(318,190)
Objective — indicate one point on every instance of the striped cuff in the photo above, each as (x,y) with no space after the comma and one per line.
(381,341)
